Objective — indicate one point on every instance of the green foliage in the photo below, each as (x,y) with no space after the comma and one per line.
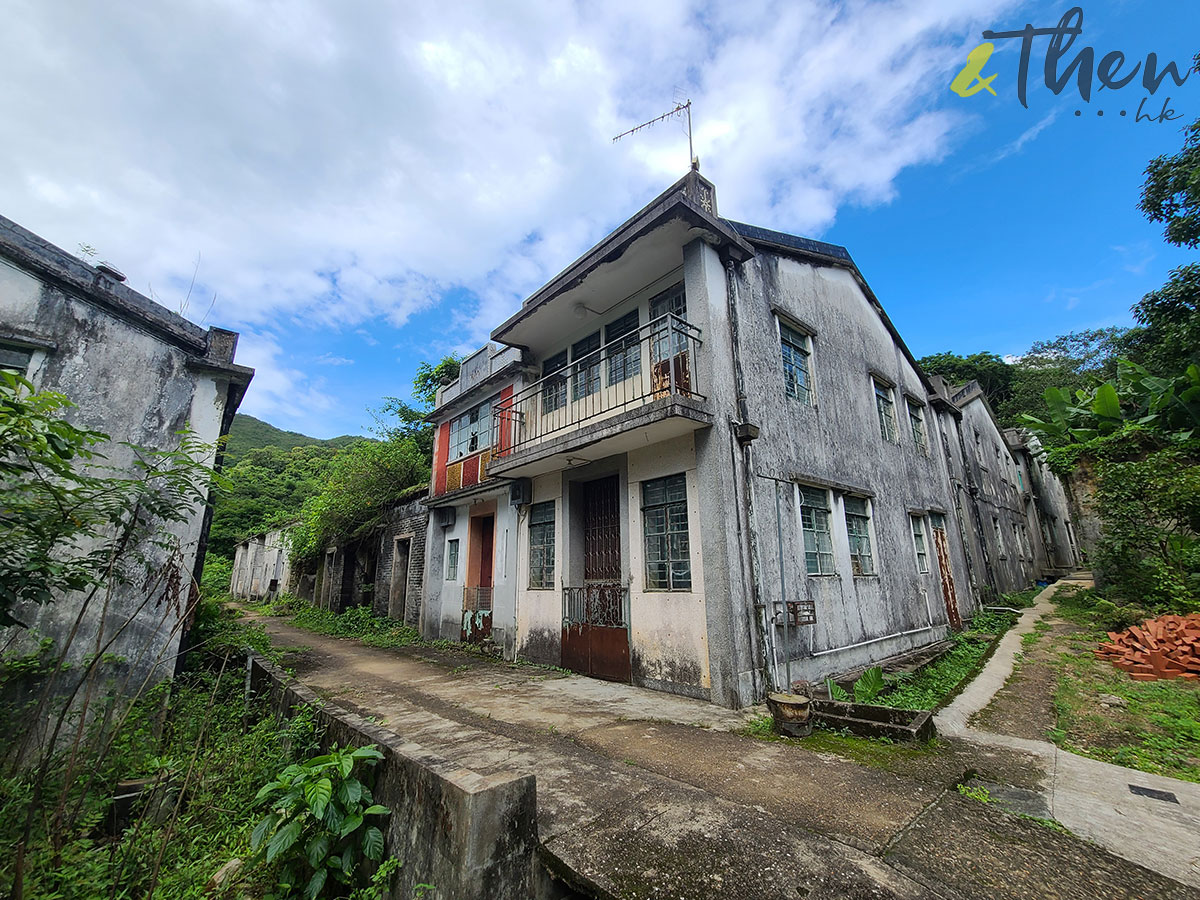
(361,482)
(994,375)
(247,433)
(71,522)
(320,824)
(980,793)
(356,622)
(1169,342)
(399,420)
(214,582)
(1171,192)
(266,488)
(868,685)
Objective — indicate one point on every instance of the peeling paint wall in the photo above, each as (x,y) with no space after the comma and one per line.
(140,374)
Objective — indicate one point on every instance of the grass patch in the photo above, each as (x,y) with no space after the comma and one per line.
(1153,727)
(1020,599)
(359,623)
(878,753)
(932,686)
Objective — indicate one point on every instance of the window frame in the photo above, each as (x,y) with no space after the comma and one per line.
(543,540)
(800,344)
(818,514)
(885,401)
(622,349)
(677,552)
(585,379)
(920,542)
(554,393)
(917,424)
(452,559)
(9,355)
(857,539)
(461,433)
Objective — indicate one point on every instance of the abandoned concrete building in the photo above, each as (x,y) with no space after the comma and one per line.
(383,569)
(702,460)
(262,566)
(139,373)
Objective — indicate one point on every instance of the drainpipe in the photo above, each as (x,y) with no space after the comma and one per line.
(744,439)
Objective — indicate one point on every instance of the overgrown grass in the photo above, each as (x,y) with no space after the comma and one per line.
(191,736)
(937,682)
(357,622)
(1020,599)
(1158,727)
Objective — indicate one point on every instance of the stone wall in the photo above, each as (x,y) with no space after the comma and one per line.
(398,593)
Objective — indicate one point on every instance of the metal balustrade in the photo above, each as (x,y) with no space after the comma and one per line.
(656,361)
(605,605)
(477,599)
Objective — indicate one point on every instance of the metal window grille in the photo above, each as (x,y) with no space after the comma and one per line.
(541,545)
(916,418)
(554,393)
(885,406)
(586,380)
(623,350)
(801,612)
(814,522)
(862,561)
(918,533)
(665,529)
(796,354)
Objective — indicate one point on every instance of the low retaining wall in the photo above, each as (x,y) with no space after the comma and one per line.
(469,835)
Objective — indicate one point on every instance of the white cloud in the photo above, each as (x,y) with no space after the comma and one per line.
(334,164)
(328,359)
(280,391)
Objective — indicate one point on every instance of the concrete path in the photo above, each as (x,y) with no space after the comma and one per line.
(1091,798)
(647,795)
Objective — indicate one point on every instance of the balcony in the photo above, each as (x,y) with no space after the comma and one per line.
(639,389)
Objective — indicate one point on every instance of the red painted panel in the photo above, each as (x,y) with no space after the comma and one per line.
(506,417)
(439,458)
(470,470)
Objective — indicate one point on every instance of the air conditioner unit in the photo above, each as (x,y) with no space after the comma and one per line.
(520,492)
(446,515)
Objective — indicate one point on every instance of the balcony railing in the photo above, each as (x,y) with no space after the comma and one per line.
(658,360)
(605,605)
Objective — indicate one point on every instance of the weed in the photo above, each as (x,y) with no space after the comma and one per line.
(979,793)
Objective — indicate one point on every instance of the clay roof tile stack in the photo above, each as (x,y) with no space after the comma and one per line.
(1162,648)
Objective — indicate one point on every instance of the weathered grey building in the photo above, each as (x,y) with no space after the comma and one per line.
(383,569)
(141,374)
(704,461)
(262,566)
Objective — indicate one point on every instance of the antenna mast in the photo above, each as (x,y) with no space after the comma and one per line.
(682,110)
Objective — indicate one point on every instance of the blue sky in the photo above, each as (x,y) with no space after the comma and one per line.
(361,188)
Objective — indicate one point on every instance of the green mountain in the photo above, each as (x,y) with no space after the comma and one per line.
(248,433)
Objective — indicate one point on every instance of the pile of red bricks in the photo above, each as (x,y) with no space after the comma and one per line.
(1166,647)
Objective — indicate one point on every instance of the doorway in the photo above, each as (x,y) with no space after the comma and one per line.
(477,594)
(595,638)
(398,595)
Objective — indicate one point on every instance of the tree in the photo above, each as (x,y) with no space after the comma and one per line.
(1170,340)
(1171,192)
(397,419)
(993,373)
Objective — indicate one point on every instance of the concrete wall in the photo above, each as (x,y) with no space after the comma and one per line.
(469,835)
(261,567)
(140,374)
(834,443)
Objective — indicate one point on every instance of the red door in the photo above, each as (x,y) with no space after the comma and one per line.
(477,595)
(595,639)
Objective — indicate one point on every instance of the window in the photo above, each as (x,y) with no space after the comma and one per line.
(554,391)
(624,354)
(999,537)
(471,431)
(452,560)
(587,375)
(665,528)
(922,549)
(885,406)
(916,419)
(814,522)
(797,375)
(858,521)
(672,301)
(15,359)
(1020,479)
(937,521)
(1017,541)
(541,545)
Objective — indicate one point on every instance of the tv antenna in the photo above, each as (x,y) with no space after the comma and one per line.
(684,111)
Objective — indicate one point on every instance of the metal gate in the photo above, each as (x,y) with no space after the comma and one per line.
(948,593)
(595,636)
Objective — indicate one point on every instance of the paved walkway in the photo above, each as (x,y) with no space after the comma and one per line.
(646,795)
(1091,798)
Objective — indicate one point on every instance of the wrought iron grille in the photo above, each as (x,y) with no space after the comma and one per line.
(477,599)
(596,604)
